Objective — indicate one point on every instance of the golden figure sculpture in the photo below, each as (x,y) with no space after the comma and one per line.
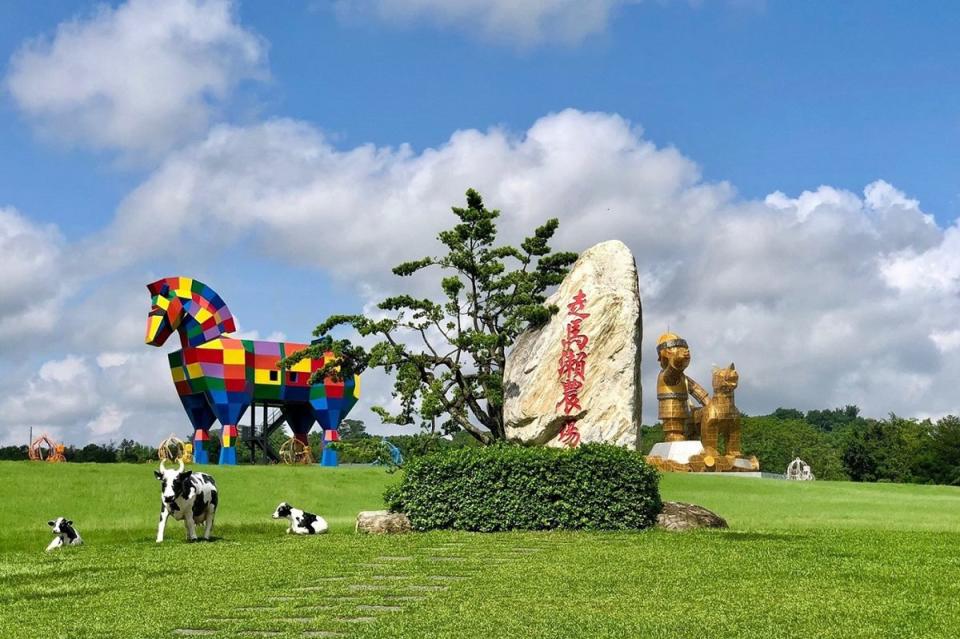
(718,418)
(674,388)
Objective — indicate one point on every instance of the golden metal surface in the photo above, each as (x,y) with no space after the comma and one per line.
(673,387)
(719,417)
(720,414)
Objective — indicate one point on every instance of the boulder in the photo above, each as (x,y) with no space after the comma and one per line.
(677,516)
(382,521)
(609,399)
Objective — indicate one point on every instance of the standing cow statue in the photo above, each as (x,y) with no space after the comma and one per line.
(218,377)
(188,496)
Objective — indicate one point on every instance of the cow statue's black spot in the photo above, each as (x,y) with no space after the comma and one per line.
(199,504)
(182,484)
(67,528)
(307,522)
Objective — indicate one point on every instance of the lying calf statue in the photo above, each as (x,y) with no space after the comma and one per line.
(66,534)
(189,496)
(301,523)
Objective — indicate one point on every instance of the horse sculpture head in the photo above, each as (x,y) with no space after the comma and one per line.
(189,307)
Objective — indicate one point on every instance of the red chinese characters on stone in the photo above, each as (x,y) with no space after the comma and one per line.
(571,368)
(569,435)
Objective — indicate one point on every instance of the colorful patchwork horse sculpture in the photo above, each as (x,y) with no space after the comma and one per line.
(218,377)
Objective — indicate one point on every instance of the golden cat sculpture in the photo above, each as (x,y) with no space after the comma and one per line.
(720,418)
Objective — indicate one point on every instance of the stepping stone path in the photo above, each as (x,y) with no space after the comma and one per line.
(356,619)
(395,585)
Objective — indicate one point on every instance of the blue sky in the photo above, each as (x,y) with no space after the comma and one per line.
(715,104)
(769,96)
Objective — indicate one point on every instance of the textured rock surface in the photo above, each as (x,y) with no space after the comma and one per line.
(382,521)
(610,396)
(678,516)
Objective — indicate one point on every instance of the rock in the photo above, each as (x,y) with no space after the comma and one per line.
(609,399)
(382,521)
(677,516)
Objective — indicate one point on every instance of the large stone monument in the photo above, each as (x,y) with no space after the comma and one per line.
(577,379)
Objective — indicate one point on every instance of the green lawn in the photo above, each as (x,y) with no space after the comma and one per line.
(801,560)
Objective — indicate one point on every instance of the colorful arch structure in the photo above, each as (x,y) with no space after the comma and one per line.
(219,377)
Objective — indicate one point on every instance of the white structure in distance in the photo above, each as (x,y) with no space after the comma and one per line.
(799,470)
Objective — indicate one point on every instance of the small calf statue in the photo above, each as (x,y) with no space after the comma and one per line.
(66,534)
(189,496)
(301,523)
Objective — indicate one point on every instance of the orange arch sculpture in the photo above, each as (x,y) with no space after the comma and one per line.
(45,449)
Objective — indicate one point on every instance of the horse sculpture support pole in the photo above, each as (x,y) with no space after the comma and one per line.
(218,377)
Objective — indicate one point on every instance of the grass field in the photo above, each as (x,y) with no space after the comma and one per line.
(800,560)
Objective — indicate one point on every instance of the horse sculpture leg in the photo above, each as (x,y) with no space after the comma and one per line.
(228,448)
(229,406)
(201,417)
(200,439)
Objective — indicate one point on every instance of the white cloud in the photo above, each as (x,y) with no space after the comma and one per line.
(523,23)
(132,396)
(141,77)
(820,298)
(108,421)
(946,340)
(797,290)
(63,371)
(31,282)
(935,271)
(110,360)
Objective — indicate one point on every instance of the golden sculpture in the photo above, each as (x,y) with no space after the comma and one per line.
(720,414)
(674,387)
(718,418)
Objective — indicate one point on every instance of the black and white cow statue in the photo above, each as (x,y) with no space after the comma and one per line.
(66,534)
(301,523)
(189,496)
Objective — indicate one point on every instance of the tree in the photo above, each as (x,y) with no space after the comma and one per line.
(130,451)
(455,369)
(945,451)
(787,413)
(828,420)
(352,429)
(893,449)
(13,453)
(776,442)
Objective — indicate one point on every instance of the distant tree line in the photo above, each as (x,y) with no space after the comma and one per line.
(840,444)
(127,451)
(356,447)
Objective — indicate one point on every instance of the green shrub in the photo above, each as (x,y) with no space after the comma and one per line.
(502,487)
